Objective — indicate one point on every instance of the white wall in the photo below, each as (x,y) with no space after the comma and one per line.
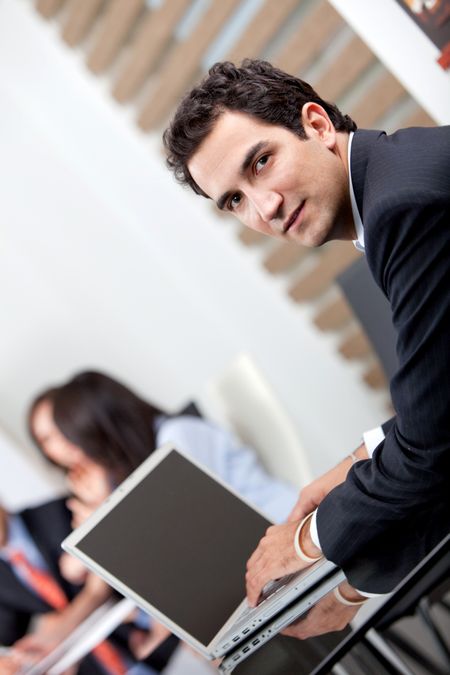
(405,50)
(106,263)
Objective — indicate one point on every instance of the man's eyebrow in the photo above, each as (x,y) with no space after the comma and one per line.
(220,203)
(248,159)
(250,156)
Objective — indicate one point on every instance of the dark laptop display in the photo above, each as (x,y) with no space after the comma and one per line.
(185,536)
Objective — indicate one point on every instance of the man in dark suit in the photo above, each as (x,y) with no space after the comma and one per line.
(266,147)
(31,585)
(38,533)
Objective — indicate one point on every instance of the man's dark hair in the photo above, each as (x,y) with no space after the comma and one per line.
(256,88)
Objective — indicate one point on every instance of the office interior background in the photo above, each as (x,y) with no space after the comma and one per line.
(106,263)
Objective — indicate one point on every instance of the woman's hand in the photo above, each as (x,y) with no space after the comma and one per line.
(80,511)
(89,482)
(72,569)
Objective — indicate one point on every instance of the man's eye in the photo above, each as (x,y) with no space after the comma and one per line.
(262,161)
(234,201)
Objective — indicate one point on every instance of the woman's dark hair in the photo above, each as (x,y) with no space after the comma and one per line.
(112,425)
(256,88)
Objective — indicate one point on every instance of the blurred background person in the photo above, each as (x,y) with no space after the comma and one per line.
(99,431)
(35,594)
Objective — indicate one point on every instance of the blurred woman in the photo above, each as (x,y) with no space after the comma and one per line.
(99,431)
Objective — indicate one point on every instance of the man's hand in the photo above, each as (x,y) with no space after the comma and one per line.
(312,495)
(49,632)
(54,627)
(275,557)
(11,663)
(143,643)
(327,616)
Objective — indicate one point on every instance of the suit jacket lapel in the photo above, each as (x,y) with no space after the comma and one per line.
(363,142)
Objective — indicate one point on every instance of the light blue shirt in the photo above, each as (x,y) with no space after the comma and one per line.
(19,539)
(234,463)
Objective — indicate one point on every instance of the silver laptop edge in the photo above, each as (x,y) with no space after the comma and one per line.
(281,621)
(220,643)
(243,628)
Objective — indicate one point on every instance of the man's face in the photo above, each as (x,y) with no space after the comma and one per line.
(275,182)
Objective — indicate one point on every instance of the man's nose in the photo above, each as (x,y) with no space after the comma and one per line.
(268,205)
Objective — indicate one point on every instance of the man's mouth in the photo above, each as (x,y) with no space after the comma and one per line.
(292,218)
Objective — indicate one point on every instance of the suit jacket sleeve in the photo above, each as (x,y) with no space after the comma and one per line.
(13,624)
(393,509)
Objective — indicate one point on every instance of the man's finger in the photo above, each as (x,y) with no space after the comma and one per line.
(255,584)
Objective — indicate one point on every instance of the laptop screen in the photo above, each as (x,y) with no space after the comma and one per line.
(180,540)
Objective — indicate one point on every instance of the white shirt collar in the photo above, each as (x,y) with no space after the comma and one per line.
(359,242)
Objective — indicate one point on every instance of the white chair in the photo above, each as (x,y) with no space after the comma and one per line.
(242,399)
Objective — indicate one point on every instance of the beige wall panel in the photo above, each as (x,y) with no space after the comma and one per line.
(344,70)
(116,25)
(384,94)
(261,29)
(249,237)
(49,8)
(332,261)
(81,16)
(355,346)
(312,36)
(418,118)
(374,377)
(283,257)
(334,315)
(153,35)
(183,63)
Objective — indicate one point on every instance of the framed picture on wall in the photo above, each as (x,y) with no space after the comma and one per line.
(412,39)
(433,18)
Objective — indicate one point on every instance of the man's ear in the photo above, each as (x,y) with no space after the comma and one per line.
(317,124)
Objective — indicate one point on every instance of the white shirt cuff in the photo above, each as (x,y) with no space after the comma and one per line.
(313,530)
(365,594)
(372,439)
(315,539)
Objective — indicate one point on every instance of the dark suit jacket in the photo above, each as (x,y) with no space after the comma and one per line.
(48,525)
(392,510)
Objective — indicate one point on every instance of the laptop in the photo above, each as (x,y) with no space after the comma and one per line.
(175,539)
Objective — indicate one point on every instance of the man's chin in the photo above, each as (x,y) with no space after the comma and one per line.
(311,239)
